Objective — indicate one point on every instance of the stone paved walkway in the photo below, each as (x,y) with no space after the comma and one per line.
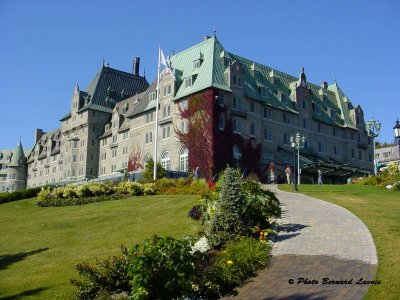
(317,240)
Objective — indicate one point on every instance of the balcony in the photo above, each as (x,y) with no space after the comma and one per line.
(239,112)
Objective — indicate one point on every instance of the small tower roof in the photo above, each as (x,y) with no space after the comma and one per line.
(18,156)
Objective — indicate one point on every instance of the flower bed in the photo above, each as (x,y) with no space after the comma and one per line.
(234,244)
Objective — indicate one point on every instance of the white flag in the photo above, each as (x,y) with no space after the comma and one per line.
(167,67)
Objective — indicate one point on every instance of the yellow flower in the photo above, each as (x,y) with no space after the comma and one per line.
(229,262)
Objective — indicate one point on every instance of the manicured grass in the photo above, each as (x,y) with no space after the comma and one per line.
(40,246)
(379,209)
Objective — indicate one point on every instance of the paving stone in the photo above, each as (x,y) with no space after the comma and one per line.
(317,240)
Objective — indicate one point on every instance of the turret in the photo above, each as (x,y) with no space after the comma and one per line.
(17,170)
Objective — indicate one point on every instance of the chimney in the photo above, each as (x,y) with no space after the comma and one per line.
(136,62)
(324,85)
(38,134)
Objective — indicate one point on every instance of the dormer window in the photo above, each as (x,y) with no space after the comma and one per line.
(264,91)
(188,82)
(275,80)
(107,127)
(197,64)
(153,96)
(283,97)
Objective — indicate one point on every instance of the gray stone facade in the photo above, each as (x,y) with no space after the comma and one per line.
(110,131)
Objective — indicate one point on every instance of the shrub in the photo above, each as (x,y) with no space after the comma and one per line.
(130,188)
(195,212)
(83,190)
(239,260)
(259,205)
(109,276)
(44,194)
(149,189)
(17,195)
(161,268)
(69,192)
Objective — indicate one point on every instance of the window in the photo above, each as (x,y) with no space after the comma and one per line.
(237,102)
(166,111)
(188,82)
(334,131)
(125,150)
(196,64)
(285,139)
(237,126)
(237,155)
(74,158)
(146,159)
(166,132)
(115,138)
(183,105)
(370,157)
(114,153)
(252,109)
(359,155)
(336,150)
(184,126)
(221,122)
(149,117)
(183,159)
(321,147)
(92,143)
(125,135)
(286,119)
(267,134)
(283,97)
(252,129)
(319,127)
(91,156)
(167,90)
(113,168)
(234,79)
(153,96)
(149,137)
(74,144)
(267,113)
(305,123)
(264,91)
(165,160)
(304,104)
(239,81)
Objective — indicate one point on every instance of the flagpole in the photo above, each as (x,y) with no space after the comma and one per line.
(157,104)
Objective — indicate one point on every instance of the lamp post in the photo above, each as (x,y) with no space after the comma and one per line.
(373,127)
(297,142)
(396,129)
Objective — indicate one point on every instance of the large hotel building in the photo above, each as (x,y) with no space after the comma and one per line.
(221,109)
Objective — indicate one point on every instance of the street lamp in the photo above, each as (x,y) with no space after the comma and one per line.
(396,129)
(297,142)
(373,127)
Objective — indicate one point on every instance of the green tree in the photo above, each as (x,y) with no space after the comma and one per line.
(226,223)
(148,173)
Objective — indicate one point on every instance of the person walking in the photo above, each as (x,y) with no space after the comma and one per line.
(319,176)
(288,172)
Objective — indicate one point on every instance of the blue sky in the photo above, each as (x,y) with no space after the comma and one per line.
(46,47)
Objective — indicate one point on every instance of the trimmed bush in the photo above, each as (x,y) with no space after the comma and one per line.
(195,213)
(18,195)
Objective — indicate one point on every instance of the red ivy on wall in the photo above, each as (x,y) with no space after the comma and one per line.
(199,139)
(210,148)
(134,161)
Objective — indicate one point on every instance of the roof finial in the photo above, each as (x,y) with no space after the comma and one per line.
(214,31)
(334,79)
(302,69)
(173,51)
(144,72)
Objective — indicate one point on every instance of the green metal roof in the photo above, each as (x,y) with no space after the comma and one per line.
(18,156)
(211,73)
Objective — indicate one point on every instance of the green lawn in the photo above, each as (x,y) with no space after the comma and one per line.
(379,209)
(40,246)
